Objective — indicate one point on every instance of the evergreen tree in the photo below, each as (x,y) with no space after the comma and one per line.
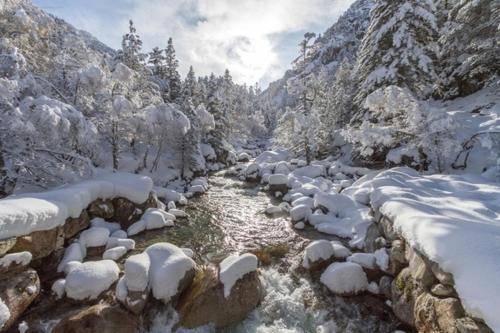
(398,48)
(157,62)
(171,74)
(131,48)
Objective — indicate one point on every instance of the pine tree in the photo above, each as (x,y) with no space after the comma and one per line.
(131,48)
(171,74)
(157,62)
(398,48)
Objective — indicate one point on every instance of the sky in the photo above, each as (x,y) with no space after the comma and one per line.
(255,39)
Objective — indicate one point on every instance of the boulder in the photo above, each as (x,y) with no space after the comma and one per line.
(204,302)
(102,318)
(136,301)
(73,226)
(40,243)
(6,245)
(372,233)
(101,208)
(469,325)
(443,277)
(420,269)
(18,291)
(387,229)
(433,314)
(443,290)
(404,293)
(397,260)
(126,212)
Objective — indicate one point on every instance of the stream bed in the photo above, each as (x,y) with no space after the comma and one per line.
(229,218)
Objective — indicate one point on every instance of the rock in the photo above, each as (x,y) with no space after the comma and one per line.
(385,286)
(469,325)
(443,290)
(13,263)
(372,233)
(101,208)
(397,259)
(102,318)
(443,277)
(204,301)
(404,293)
(282,188)
(126,212)
(40,243)
(433,314)
(387,229)
(151,202)
(136,301)
(73,226)
(420,269)
(6,245)
(18,291)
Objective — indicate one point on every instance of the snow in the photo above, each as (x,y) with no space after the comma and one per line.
(272,156)
(169,265)
(299,225)
(309,202)
(317,250)
(373,288)
(111,226)
(453,220)
(234,267)
(94,237)
(58,287)
(23,327)
(340,251)
(136,228)
(311,171)
(382,259)
(72,253)
(300,212)
(121,289)
(19,258)
(4,313)
(244,157)
(115,253)
(169,195)
(90,279)
(23,214)
(155,218)
(366,260)
(197,189)
(177,212)
(137,272)
(278,179)
(118,234)
(345,278)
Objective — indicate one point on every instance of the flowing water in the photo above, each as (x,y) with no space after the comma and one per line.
(229,218)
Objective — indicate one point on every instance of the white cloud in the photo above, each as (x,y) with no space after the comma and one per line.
(211,35)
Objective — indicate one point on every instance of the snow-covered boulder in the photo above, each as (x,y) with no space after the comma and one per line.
(94,237)
(244,157)
(345,278)
(366,260)
(155,218)
(234,268)
(137,272)
(136,228)
(178,212)
(282,168)
(340,251)
(319,250)
(90,279)
(114,253)
(278,183)
(311,171)
(300,212)
(101,223)
(127,243)
(73,252)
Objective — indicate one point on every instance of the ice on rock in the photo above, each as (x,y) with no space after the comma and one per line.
(136,228)
(114,253)
(137,272)
(94,237)
(90,279)
(317,250)
(72,253)
(278,179)
(234,268)
(19,258)
(111,226)
(345,278)
(169,265)
(58,287)
(155,218)
(366,260)
(300,212)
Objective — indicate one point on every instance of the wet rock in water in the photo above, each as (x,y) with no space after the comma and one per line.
(204,302)
(40,243)
(18,291)
(100,318)
(433,314)
(73,226)
(101,208)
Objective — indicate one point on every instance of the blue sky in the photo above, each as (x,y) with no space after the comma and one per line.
(255,39)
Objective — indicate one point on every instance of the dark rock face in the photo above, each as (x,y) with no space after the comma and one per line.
(101,208)
(126,212)
(204,301)
(74,225)
(283,188)
(40,243)
(18,291)
(100,318)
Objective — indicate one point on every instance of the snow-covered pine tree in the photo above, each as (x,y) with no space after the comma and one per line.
(399,48)
(171,74)
(157,62)
(469,47)
(131,48)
